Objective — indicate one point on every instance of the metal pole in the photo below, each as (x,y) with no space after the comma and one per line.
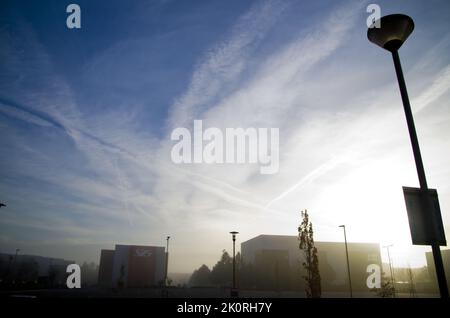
(234,292)
(410,121)
(167,260)
(348,263)
(391,269)
(390,265)
(234,262)
(440,272)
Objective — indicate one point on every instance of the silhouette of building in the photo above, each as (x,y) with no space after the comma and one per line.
(445,259)
(132,266)
(35,269)
(278,255)
(105,270)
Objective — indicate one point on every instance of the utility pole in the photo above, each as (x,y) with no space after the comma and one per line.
(348,262)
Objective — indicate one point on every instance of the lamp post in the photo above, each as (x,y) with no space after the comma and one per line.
(393,31)
(348,262)
(167,260)
(234,292)
(391,269)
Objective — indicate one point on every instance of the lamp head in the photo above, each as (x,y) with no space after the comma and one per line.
(393,31)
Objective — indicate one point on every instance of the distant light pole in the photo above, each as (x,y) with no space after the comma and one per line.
(348,262)
(393,31)
(234,292)
(391,269)
(167,260)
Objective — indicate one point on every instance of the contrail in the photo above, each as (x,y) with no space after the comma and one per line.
(316,173)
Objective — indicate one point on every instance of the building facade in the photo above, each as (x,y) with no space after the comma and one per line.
(277,255)
(38,270)
(132,266)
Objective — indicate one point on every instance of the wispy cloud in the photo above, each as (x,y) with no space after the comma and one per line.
(439,86)
(311,176)
(221,67)
(112,174)
(24,115)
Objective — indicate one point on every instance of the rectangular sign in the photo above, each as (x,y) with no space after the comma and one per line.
(425,223)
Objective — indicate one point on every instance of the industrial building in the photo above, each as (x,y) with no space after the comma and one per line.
(132,266)
(40,270)
(278,255)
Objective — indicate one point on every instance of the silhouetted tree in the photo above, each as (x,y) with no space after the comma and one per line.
(221,273)
(201,277)
(387,289)
(311,264)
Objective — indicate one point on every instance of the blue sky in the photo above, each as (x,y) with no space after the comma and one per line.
(86,116)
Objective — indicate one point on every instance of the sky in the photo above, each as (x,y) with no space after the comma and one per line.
(86,117)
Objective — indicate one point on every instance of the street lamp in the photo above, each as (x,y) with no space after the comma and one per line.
(167,259)
(348,262)
(391,269)
(234,292)
(393,31)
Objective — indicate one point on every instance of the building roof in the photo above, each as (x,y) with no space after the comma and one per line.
(291,237)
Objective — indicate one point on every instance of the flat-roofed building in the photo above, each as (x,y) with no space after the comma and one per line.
(105,269)
(276,255)
(132,266)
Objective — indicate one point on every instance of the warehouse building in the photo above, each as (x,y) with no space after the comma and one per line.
(279,255)
(132,266)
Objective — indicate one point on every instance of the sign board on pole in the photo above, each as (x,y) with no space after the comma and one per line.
(426,226)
